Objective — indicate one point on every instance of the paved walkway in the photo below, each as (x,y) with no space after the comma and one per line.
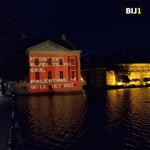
(5,121)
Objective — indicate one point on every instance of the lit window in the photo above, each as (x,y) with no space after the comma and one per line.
(61,75)
(61,62)
(37,75)
(72,62)
(36,61)
(49,75)
(49,61)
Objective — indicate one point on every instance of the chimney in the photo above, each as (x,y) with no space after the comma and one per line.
(63,37)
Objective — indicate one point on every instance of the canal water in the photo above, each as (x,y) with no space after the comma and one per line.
(95,120)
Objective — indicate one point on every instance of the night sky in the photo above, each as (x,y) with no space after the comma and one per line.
(89,25)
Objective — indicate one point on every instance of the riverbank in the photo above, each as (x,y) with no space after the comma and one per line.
(5,123)
(114,87)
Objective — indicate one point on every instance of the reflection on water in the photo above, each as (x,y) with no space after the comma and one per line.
(113,119)
(55,122)
(128,116)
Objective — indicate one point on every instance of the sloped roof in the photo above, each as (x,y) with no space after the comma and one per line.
(48,46)
(65,43)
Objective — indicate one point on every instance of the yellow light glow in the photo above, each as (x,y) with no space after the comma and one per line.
(111,78)
(136,72)
(119,83)
(83,81)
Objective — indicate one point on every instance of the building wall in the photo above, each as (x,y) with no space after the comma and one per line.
(133,71)
(137,70)
(111,78)
(54,72)
(94,77)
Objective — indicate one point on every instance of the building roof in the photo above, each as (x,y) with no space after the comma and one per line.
(54,45)
(48,45)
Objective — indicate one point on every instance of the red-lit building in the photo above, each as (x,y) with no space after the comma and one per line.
(53,68)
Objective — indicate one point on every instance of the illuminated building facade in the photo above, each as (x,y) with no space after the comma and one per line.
(53,68)
(135,74)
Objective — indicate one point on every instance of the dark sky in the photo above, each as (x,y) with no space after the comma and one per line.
(89,25)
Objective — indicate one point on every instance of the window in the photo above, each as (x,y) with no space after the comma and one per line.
(49,61)
(72,74)
(60,61)
(50,87)
(49,75)
(72,62)
(74,85)
(61,76)
(36,61)
(37,75)
(23,88)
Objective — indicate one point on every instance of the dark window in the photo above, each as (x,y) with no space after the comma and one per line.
(37,75)
(50,87)
(74,85)
(49,75)
(23,87)
(60,62)
(61,75)
(36,61)
(72,62)
(49,61)
(72,74)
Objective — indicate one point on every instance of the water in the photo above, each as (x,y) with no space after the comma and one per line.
(114,119)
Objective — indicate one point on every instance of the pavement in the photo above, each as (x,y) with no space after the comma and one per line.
(5,121)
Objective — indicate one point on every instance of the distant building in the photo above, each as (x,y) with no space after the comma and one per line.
(132,74)
(52,68)
(94,77)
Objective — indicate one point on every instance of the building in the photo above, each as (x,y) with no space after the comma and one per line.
(52,68)
(133,74)
(94,77)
